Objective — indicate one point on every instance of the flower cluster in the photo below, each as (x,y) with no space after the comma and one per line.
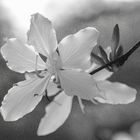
(61,70)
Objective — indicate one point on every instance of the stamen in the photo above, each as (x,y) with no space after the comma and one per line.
(81,105)
(36,71)
(94,101)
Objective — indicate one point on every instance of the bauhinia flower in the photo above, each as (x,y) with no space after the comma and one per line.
(62,68)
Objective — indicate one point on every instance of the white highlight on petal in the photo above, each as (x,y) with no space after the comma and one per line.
(23,98)
(75,49)
(56,114)
(42,35)
(116,93)
(21,57)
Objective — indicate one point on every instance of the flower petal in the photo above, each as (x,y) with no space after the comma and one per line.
(116,93)
(78,83)
(102,75)
(75,49)
(21,57)
(23,98)
(42,35)
(56,114)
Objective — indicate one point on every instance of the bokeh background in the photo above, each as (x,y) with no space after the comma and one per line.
(102,121)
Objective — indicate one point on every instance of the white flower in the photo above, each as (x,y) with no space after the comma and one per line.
(68,62)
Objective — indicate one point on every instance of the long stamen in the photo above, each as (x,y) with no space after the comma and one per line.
(81,105)
(36,71)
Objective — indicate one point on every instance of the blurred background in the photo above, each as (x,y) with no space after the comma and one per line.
(102,121)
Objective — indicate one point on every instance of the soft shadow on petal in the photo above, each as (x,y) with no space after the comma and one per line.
(116,93)
(21,57)
(23,98)
(42,35)
(79,83)
(75,49)
(56,114)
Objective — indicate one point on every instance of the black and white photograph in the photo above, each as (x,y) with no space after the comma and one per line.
(69,69)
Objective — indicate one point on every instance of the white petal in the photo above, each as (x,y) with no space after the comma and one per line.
(56,114)
(75,49)
(102,75)
(21,57)
(22,99)
(116,93)
(42,35)
(78,83)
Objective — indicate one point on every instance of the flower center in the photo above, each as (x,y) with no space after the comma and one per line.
(54,64)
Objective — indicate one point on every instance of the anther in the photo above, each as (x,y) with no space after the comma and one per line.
(35,95)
